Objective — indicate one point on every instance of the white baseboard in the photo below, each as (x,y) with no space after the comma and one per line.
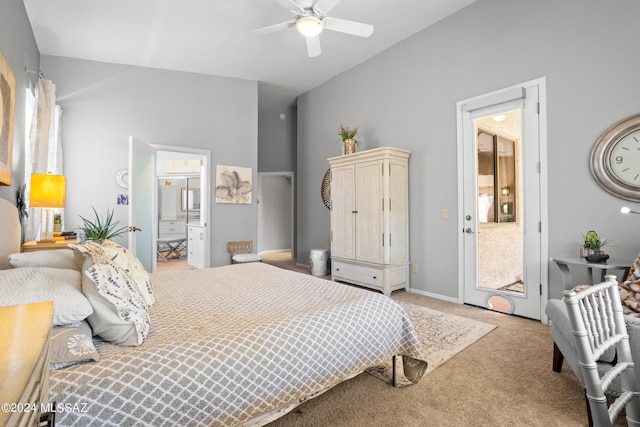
(274,250)
(435,296)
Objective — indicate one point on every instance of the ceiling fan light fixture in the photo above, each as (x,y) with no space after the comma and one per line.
(309,26)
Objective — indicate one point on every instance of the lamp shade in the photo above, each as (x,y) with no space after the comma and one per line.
(47,191)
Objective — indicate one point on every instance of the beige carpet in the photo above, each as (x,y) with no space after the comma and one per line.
(502,380)
(442,336)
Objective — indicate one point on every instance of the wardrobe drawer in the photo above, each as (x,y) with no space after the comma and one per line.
(357,273)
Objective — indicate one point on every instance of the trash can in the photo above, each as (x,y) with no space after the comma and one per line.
(318,262)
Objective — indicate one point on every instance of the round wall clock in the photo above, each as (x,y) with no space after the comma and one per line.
(615,159)
(122,178)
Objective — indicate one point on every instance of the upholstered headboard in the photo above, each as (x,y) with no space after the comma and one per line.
(9,232)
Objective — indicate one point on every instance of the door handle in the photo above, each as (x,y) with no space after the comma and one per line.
(468,230)
(133,228)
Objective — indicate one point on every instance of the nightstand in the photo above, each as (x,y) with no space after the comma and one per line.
(24,363)
(32,245)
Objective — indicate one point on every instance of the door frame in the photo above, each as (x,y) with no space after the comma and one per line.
(485,101)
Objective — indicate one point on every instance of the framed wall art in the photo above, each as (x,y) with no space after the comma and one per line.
(233,184)
(7,115)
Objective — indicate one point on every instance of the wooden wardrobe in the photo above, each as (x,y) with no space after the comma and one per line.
(370,218)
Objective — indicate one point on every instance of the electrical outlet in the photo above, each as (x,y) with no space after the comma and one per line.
(445,213)
(414,268)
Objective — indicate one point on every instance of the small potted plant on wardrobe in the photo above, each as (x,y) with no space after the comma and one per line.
(349,138)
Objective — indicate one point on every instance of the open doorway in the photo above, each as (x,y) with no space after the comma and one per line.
(276,214)
(146,163)
(180,225)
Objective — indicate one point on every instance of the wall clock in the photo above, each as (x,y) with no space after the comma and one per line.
(615,159)
(122,178)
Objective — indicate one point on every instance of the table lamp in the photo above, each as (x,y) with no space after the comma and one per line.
(47,192)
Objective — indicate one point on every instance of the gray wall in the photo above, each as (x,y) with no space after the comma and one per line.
(105,103)
(277,147)
(277,140)
(406,97)
(18,45)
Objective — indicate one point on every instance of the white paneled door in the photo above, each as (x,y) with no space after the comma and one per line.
(502,204)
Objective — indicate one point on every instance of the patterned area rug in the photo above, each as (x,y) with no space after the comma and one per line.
(442,336)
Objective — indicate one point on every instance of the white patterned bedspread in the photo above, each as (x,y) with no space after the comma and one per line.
(230,343)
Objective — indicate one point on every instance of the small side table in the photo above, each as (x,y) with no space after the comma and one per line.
(563,264)
(33,246)
(25,338)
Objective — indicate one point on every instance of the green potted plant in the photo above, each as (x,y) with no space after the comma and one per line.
(349,138)
(102,228)
(592,244)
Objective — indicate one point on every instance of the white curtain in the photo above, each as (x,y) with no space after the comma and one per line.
(45,147)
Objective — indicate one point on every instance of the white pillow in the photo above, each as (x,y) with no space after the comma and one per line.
(120,314)
(61,258)
(35,284)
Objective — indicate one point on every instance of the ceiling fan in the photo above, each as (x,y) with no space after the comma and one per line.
(310,19)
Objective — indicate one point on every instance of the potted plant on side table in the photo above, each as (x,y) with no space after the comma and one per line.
(591,248)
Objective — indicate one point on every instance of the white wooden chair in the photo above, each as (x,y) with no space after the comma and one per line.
(241,252)
(597,324)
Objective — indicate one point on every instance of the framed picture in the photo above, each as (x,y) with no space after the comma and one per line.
(233,184)
(7,114)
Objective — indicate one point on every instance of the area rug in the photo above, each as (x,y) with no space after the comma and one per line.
(442,336)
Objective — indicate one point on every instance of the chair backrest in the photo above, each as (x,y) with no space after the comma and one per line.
(240,247)
(597,324)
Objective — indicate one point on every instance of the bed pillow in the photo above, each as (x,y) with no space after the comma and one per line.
(62,258)
(132,265)
(120,314)
(34,284)
(71,345)
(83,250)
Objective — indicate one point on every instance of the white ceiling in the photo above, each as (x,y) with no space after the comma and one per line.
(214,37)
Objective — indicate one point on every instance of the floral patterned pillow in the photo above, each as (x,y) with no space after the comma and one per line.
(83,252)
(120,314)
(72,344)
(132,265)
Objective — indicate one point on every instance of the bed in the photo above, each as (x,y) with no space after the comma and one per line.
(236,345)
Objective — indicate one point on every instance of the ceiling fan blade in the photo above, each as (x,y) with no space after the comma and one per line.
(274,28)
(288,3)
(313,46)
(350,27)
(325,6)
